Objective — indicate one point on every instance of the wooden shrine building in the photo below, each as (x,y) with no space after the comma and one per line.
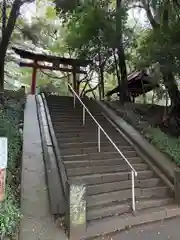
(139,82)
(43,61)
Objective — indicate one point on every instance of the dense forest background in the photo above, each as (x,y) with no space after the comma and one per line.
(119,36)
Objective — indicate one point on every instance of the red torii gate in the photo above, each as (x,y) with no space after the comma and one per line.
(55,62)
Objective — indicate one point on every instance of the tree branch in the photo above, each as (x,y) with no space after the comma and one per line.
(152,20)
(165,16)
(135,6)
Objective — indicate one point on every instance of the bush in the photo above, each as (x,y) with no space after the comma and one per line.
(10,208)
(165,143)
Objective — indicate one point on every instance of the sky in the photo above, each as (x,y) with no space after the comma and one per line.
(135,15)
(139,16)
(28,10)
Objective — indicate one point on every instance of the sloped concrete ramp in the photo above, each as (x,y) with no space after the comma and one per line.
(37,222)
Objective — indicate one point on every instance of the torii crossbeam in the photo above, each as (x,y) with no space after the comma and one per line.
(54,63)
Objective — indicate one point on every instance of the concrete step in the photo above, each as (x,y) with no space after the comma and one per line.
(105,169)
(92,133)
(77,117)
(82,139)
(99,213)
(99,156)
(64,112)
(89,144)
(62,132)
(73,122)
(78,126)
(64,116)
(127,184)
(75,138)
(107,162)
(119,209)
(82,150)
(95,161)
(104,227)
(126,194)
(65,105)
(110,177)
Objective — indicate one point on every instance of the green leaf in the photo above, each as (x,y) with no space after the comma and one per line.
(50,13)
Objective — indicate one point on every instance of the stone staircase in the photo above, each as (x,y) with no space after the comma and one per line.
(105,173)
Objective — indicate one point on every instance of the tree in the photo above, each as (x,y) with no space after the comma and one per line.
(67,5)
(97,35)
(7,31)
(162,16)
(123,87)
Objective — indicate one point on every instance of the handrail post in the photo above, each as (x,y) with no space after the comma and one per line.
(99,139)
(133,192)
(74,100)
(84,115)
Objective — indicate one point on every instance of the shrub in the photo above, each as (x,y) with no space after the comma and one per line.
(165,143)
(10,208)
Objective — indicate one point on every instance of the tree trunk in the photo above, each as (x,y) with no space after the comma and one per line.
(153,97)
(123,87)
(7,32)
(2,62)
(4,16)
(102,80)
(91,90)
(99,89)
(101,74)
(171,86)
(116,68)
(144,94)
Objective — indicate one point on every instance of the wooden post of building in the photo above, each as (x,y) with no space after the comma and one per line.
(33,82)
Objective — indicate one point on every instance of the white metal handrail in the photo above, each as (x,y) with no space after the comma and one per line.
(100,128)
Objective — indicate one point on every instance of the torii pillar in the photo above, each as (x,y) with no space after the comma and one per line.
(33,81)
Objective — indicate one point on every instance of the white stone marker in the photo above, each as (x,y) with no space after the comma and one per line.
(3,165)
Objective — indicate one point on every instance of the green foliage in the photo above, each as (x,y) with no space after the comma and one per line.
(9,214)
(161,44)
(94,36)
(91,31)
(66,5)
(9,209)
(95,27)
(165,143)
(50,13)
